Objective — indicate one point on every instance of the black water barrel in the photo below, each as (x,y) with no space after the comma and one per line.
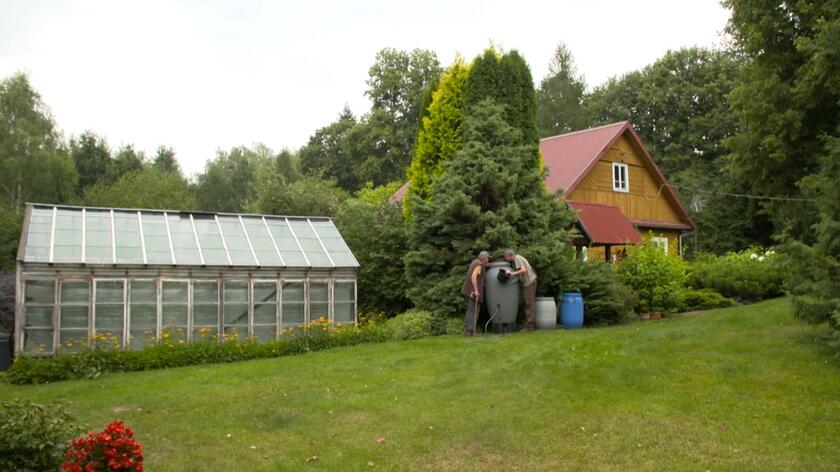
(5,351)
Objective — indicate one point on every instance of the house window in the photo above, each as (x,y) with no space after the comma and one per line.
(620,181)
(662,242)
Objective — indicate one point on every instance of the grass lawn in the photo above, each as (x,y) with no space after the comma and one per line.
(743,388)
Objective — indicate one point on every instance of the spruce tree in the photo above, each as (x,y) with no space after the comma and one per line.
(490,196)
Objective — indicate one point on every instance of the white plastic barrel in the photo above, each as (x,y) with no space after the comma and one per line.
(546,313)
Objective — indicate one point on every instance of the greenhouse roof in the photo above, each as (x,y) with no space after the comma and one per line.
(116,236)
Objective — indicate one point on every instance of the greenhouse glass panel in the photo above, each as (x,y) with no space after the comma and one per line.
(39,309)
(344,302)
(67,245)
(237,244)
(293,304)
(109,312)
(39,239)
(309,242)
(98,247)
(74,300)
(319,301)
(156,239)
(286,243)
(183,239)
(38,341)
(127,238)
(205,310)
(40,292)
(174,310)
(332,240)
(210,240)
(265,310)
(236,309)
(261,241)
(142,309)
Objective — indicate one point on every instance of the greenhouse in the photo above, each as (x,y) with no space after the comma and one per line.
(129,278)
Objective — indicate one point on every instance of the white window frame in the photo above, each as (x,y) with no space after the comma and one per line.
(624,171)
(660,241)
(158,299)
(249,303)
(355,299)
(308,315)
(59,303)
(305,286)
(188,326)
(93,302)
(219,307)
(253,304)
(54,305)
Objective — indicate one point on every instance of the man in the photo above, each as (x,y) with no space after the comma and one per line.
(528,277)
(473,290)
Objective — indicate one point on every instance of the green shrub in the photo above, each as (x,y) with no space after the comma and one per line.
(94,361)
(454,326)
(33,436)
(655,276)
(689,299)
(749,275)
(412,324)
(606,299)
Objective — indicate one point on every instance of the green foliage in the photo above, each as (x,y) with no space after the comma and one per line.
(397,80)
(91,155)
(9,238)
(787,101)
(606,299)
(490,196)
(96,360)
(34,167)
(560,96)
(144,188)
(126,160)
(814,282)
(229,181)
(165,162)
(506,79)
(414,324)
(441,133)
(655,276)
(689,299)
(376,233)
(33,436)
(328,153)
(750,275)
(453,326)
(308,196)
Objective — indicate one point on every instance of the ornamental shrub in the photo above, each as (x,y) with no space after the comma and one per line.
(750,275)
(655,276)
(412,324)
(94,361)
(33,435)
(112,449)
(689,299)
(606,300)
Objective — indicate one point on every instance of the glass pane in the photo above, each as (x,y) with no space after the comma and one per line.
(205,333)
(292,314)
(265,313)
(236,292)
(97,237)
(210,240)
(309,242)
(127,236)
(343,292)
(143,291)
(286,243)
(293,292)
(109,291)
(344,312)
(183,240)
(143,317)
(265,292)
(332,240)
(39,316)
(156,239)
(68,236)
(205,292)
(175,292)
(74,316)
(265,333)
(38,341)
(318,292)
(109,317)
(319,311)
(237,314)
(39,291)
(174,315)
(38,239)
(261,241)
(72,340)
(75,291)
(237,245)
(140,338)
(205,315)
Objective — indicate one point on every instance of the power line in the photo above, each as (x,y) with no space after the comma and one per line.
(743,195)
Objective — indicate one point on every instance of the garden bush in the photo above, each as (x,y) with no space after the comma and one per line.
(751,275)
(112,449)
(32,436)
(97,360)
(412,324)
(606,299)
(689,299)
(655,276)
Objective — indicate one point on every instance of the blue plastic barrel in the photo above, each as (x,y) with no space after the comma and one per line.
(571,311)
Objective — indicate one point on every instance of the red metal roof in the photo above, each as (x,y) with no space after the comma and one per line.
(399,195)
(605,224)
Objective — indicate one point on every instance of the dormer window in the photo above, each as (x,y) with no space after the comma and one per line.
(620,180)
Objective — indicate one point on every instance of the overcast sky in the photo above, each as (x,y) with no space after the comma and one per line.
(203,75)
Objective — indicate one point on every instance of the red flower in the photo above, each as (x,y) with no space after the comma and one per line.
(111,449)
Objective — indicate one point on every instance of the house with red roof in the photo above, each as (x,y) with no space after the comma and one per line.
(608,177)
(611,181)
